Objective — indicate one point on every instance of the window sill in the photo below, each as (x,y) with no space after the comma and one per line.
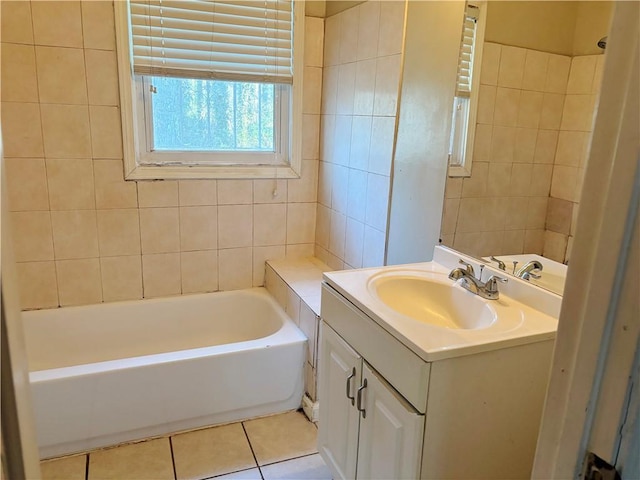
(183,172)
(459,171)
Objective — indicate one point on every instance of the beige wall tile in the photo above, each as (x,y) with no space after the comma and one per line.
(515,214)
(118,232)
(486,104)
(368,30)
(541,180)
(69,468)
(158,194)
(391,28)
(449,217)
(470,216)
(536,213)
(102,77)
(377,201)
(476,184)
(360,154)
(16,22)
(387,83)
(121,278)
(572,148)
(535,70)
(381,149)
(557,74)
(198,228)
(506,110)
(70,184)
(354,243)
(235,267)
(33,234)
(57,23)
(21,130)
(269,225)
(66,131)
(346,88)
(513,242)
(332,40)
(26,184)
(525,148)
(597,79)
(337,234)
(75,234)
(482,143)
(311,137)
(161,275)
(546,143)
(61,75)
(555,246)
(112,191)
(582,74)
(159,230)
(270,191)
(199,271)
(551,112)
(313,41)
(304,189)
(511,71)
(490,63)
(495,213)
(37,284)
(342,140)
(197,192)
(364,94)
(235,226)
(323,226)
(453,187)
(150,459)
(211,452)
(261,255)
(503,141)
(534,241)
(312,90)
(106,133)
(79,281)
(559,214)
(98,25)
(235,192)
(564,182)
(578,113)
(498,179)
(521,178)
(530,109)
(349,35)
(301,250)
(325,172)
(19,81)
(329,89)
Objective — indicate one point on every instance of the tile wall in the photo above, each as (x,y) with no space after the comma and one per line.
(82,234)
(362,65)
(534,116)
(571,155)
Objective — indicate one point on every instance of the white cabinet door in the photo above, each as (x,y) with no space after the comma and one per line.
(390,432)
(340,369)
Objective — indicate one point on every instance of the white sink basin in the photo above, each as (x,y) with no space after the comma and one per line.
(432,300)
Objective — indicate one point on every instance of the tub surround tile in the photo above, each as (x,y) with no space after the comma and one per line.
(270,191)
(197,192)
(35,234)
(111,190)
(19,82)
(260,257)
(211,452)
(160,230)
(235,192)
(119,232)
(235,268)
(27,184)
(158,194)
(161,275)
(121,278)
(61,75)
(199,271)
(233,233)
(70,184)
(198,228)
(106,132)
(75,234)
(68,468)
(21,129)
(38,285)
(79,281)
(146,460)
(66,130)
(98,25)
(102,77)
(57,23)
(281,437)
(16,22)
(303,468)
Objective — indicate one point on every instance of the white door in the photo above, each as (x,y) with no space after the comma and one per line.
(340,370)
(391,432)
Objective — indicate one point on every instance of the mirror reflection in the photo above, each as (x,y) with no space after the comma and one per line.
(533,96)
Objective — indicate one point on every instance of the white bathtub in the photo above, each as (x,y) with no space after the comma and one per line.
(109,373)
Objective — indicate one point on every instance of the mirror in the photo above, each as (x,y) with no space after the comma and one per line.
(535,89)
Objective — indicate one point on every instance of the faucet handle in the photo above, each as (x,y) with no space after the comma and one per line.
(492,283)
(469,267)
(501,264)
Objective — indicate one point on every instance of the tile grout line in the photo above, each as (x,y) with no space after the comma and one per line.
(86,468)
(173,460)
(255,459)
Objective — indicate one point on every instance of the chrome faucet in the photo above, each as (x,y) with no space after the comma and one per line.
(526,272)
(467,279)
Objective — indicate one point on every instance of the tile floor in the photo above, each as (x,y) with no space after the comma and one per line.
(270,448)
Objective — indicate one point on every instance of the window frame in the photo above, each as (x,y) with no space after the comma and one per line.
(142,164)
(463,139)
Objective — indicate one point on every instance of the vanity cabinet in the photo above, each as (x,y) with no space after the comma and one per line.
(461,416)
(366,429)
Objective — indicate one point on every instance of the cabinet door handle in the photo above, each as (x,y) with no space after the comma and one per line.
(349,396)
(359,407)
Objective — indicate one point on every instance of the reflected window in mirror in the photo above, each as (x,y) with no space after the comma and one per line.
(466,97)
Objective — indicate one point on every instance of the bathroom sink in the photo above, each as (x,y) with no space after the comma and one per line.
(431,298)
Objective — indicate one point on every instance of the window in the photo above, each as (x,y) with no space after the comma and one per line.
(208,88)
(466,96)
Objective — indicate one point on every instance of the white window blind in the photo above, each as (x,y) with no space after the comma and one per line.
(241,40)
(465,59)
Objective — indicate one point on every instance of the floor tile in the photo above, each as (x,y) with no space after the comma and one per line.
(281,437)
(304,468)
(253,474)
(139,461)
(210,452)
(69,468)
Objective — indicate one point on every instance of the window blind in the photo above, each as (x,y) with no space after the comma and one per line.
(243,40)
(465,57)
